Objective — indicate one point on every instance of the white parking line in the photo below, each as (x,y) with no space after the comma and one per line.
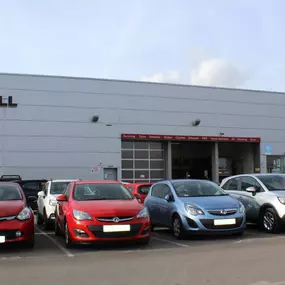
(42,234)
(64,250)
(171,242)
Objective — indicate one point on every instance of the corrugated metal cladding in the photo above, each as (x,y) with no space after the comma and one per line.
(50,133)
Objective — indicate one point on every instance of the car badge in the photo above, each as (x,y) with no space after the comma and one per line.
(116,220)
(223,212)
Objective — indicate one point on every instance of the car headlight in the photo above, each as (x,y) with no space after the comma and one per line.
(193,210)
(143,214)
(52,202)
(81,216)
(25,214)
(241,208)
(281,200)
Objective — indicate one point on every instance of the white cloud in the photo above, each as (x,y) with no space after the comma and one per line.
(170,76)
(218,72)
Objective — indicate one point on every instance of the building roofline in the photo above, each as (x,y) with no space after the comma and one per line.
(137,81)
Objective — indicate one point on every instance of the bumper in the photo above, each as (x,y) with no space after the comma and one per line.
(16,231)
(206,224)
(92,232)
(50,211)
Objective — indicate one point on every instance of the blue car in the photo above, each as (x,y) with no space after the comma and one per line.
(194,206)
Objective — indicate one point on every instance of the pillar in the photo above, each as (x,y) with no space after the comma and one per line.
(168,161)
(215,162)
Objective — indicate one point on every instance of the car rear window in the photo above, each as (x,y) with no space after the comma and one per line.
(143,189)
(58,187)
(9,192)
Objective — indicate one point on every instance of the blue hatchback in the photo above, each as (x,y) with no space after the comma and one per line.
(199,206)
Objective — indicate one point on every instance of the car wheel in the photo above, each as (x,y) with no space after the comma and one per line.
(270,221)
(177,228)
(40,220)
(67,240)
(56,229)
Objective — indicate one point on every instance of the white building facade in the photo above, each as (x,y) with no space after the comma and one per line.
(49,133)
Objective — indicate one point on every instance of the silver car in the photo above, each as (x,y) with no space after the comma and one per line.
(263,196)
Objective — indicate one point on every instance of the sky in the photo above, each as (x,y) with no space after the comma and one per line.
(226,43)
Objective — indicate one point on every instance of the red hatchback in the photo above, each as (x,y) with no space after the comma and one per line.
(140,190)
(16,218)
(94,211)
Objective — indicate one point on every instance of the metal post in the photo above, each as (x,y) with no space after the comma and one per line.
(215,162)
(169,161)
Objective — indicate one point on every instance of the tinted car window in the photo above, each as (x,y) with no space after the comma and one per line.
(273,182)
(67,191)
(144,189)
(97,191)
(232,184)
(248,181)
(9,193)
(58,187)
(197,189)
(165,190)
(156,191)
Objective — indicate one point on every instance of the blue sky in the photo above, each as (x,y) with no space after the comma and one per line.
(209,42)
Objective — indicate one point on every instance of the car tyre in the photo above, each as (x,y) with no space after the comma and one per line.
(270,221)
(178,230)
(40,220)
(67,240)
(56,229)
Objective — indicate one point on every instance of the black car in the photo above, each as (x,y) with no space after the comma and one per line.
(31,189)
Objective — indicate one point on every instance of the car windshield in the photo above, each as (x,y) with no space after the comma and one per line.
(273,182)
(58,187)
(10,192)
(104,191)
(197,189)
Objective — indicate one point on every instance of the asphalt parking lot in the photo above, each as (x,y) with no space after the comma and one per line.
(164,261)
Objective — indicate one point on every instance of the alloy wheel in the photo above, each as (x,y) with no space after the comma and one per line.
(268,221)
(176,227)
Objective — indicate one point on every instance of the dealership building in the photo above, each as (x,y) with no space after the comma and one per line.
(63,127)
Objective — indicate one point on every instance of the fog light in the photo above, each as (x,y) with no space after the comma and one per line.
(18,233)
(80,233)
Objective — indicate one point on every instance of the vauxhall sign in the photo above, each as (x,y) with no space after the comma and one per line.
(9,103)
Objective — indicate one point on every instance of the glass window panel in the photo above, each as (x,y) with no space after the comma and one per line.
(156,145)
(127,174)
(157,174)
(127,154)
(141,145)
(127,145)
(127,164)
(142,164)
(141,154)
(157,164)
(141,174)
(156,154)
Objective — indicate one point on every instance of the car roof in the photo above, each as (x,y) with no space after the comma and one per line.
(9,182)
(141,183)
(183,180)
(63,180)
(97,182)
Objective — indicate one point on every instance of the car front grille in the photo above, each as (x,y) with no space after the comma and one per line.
(7,218)
(209,224)
(222,212)
(116,219)
(98,232)
(8,234)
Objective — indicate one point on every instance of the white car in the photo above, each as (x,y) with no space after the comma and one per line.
(47,200)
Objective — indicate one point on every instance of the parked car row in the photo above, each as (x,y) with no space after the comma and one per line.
(100,211)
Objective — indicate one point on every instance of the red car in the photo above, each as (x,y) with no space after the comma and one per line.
(16,218)
(140,190)
(96,211)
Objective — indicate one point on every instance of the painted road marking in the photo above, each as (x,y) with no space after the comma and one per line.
(64,250)
(171,242)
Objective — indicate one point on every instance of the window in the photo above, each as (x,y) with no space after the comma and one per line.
(58,187)
(9,192)
(143,189)
(248,181)
(156,191)
(30,186)
(67,191)
(232,184)
(165,190)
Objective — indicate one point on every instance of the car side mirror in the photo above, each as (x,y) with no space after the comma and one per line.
(32,198)
(169,198)
(250,189)
(61,198)
(41,193)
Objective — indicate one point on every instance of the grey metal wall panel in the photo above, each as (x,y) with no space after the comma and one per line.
(50,131)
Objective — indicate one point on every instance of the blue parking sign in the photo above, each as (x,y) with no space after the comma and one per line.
(268,149)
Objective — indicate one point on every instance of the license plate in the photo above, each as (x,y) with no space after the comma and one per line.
(223,222)
(2,239)
(116,228)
